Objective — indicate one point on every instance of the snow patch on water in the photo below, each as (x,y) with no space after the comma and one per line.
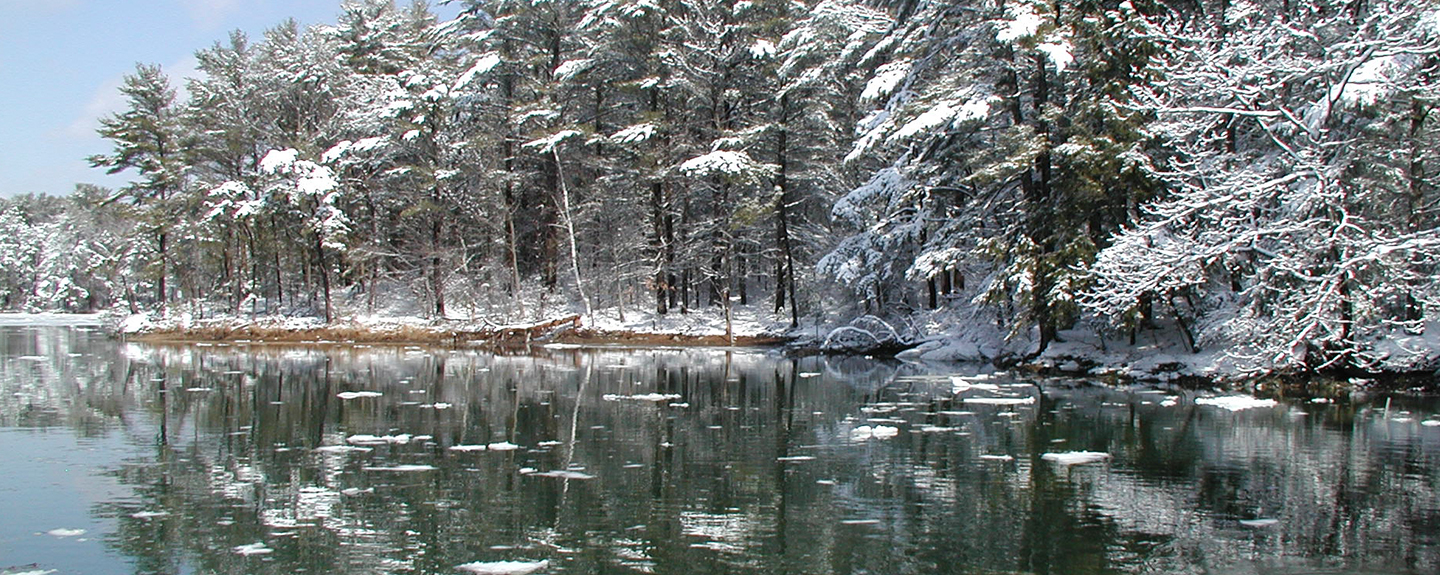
(655,397)
(865,432)
(1236,402)
(358,394)
(503,567)
(63,532)
(1075,457)
(252,549)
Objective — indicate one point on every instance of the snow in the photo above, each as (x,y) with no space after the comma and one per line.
(945,113)
(562,474)
(252,549)
(1236,402)
(1023,23)
(885,80)
(635,134)
(278,160)
(63,532)
(1069,458)
(999,400)
(655,397)
(358,394)
(724,163)
(1256,523)
(865,432)
(997,458)
(467,448)
(1059,53)
(503,567)
(406,468)
(502,446)
(364,439)
(483,65)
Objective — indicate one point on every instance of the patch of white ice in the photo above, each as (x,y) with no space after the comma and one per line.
(1236,402)
(252,549)
(503,567)
(865,432)
(1075,457)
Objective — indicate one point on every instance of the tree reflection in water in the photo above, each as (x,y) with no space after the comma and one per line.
(250,463)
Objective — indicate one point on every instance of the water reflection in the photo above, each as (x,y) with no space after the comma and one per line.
(243,459)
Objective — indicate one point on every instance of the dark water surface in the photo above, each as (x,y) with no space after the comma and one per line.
(215,459)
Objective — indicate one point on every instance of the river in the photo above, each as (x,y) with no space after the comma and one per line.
(122,457)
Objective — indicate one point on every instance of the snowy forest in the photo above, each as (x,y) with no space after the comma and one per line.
(1250,174)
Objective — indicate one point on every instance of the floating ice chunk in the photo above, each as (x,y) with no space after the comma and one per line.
(63,532)
(364,439)
(1322,400)
(563,474)
(1000,400)
(503,567)
(865,432)
(149,514)
(1258,522)
(793,458)
(860,522)
(34,572)
(656,397)
(402,468)
(997,458)
(32,358)
(357,394)
(1075,457)
(549,443)
(808,374)
(1431,423)
(200,389)
(502,446)
(1235,402)
(252,549)
(443,405)
(356,491)
(342,449)
(467,448)
(1171,401)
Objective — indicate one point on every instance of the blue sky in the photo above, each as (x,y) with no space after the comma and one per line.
(61,64)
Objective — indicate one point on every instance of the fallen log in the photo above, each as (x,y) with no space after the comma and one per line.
(532,332)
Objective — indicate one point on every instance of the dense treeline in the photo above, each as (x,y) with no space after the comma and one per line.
(1237,171)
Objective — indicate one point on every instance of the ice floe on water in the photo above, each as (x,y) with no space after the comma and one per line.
(1075,457)
(365,439)
(63,532)
(1236,402)
(252,549)
(557,474)
(1256,523)
(467,448)
(406,468)
(32,572)
(997,458)
(342,449)
(1431,423)
(655,397)
(502,446)
(865,432)
(999,400)
(795,458)
(149,514)
(358,394)
(503,567)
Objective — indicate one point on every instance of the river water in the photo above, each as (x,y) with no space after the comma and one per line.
(131,458)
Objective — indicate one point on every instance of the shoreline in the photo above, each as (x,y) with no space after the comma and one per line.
(458,337)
